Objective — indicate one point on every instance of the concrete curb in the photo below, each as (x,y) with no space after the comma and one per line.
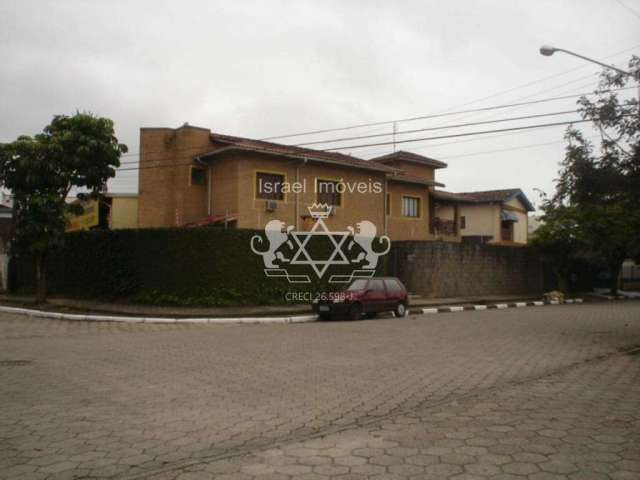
(498,306)
(278,320)
(619,297)
(124,319)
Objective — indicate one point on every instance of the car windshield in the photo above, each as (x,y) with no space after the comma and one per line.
(357,284)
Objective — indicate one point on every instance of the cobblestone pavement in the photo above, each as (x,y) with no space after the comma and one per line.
(542,393)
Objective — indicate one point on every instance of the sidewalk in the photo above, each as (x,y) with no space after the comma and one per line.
(68,305)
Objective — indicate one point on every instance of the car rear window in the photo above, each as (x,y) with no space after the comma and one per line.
(358,284)
(393,285)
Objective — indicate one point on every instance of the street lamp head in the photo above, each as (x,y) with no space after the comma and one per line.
(547,50)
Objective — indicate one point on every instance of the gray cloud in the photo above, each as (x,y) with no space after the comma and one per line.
(261,68)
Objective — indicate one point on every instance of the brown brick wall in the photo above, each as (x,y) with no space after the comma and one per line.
(414,169)
(406,228)
(224,186)
(166,196)
(355,206)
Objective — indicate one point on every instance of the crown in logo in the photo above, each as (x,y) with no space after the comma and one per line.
(319,210)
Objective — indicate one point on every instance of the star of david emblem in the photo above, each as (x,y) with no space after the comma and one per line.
(337,256)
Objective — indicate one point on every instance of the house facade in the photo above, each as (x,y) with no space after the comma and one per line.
(493,216)
(122,210)
(190,176)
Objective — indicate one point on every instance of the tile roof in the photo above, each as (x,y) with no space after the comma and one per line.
(247,144)
(493,195)
(456,197)
(409,157)
(486,196)
(401,177)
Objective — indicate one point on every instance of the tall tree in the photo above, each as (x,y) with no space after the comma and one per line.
(601,186)
(79,151)
(558,239)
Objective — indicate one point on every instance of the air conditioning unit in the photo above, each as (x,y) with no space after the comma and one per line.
(271,205)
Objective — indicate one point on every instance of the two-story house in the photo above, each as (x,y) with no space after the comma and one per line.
(191,176)
(491,216)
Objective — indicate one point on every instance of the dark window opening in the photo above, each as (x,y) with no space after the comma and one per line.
(198,176)
(328,193)
(269,186)
(506,230)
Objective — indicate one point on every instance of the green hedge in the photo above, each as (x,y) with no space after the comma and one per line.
(200,266)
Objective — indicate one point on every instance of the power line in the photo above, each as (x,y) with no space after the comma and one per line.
(442,144)
(471,154)
(432,146)
(510,129)
(495,107)
(421,117)
(524,127)
(545,90)
(459,125)
(499,150)
(627,7)
(381,151)
(411,119)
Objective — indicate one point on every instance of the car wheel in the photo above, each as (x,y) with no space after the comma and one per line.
(324,316)
(401,309)
(355,312)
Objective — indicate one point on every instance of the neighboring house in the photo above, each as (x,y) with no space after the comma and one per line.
(122,210)
(410,192)
(492,216)
(190,176)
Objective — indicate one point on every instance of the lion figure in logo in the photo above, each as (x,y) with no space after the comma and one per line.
(364,238)
(277,234)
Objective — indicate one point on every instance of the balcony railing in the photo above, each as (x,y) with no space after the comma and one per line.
(443,227)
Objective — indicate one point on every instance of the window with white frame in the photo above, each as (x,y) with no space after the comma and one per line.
(411,207)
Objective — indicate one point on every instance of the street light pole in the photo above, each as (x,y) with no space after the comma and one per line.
(548,50)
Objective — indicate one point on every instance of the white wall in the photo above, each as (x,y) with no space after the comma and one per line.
(481,220)
(521,227)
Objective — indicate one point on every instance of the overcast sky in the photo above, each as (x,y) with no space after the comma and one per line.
(265,68)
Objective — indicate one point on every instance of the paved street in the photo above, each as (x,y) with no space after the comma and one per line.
(543,393)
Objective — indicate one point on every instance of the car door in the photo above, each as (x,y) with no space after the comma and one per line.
(395,293)
(376,296)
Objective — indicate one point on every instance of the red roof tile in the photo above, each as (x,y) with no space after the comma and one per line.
(453,197)
(409,157)
(486,196)
(400,177)
(247,144)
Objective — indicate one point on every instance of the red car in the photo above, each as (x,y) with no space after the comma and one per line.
(368,296)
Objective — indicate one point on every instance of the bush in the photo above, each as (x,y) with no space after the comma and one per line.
(171,266)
